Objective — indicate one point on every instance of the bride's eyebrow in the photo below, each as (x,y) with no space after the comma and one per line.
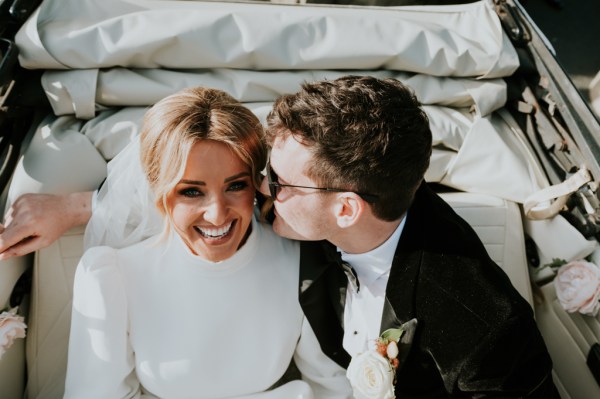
(201,183)
(192,182)
(234,177)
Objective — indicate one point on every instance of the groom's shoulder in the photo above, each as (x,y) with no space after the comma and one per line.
(315,251)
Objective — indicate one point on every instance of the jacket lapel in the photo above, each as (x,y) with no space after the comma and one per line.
(406,265)
(390,320)
(322,297)
(399,308)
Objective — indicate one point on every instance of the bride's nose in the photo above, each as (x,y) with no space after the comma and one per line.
(216,211)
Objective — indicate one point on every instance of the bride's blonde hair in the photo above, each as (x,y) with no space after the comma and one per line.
(173,125)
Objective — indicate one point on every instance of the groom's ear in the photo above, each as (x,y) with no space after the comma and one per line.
(349,207)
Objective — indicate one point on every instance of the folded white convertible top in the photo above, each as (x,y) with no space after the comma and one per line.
(82,92)
(132,53)
(459,40)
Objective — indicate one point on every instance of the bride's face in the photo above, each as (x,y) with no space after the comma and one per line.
(212,205)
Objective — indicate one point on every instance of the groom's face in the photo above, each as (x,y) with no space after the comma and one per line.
(300,213)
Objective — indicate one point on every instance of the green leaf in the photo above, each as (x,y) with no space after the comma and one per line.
(392,334)
(556,263)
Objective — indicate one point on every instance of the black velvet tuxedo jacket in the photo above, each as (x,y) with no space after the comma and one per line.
(475,335)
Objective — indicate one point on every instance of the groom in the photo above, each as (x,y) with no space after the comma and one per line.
(381,249)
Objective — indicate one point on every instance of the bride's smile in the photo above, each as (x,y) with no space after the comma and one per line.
(213,232)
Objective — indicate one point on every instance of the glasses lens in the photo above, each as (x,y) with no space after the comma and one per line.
(272,180)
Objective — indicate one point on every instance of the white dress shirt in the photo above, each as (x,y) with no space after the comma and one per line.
(364,307)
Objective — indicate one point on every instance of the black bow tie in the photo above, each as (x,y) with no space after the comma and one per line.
(351,274)
(333,256)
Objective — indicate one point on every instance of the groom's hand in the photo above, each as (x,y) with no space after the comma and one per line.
(35,221)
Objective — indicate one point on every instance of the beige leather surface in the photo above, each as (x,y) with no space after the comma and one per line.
(568,337)
(12,364)
(50,315)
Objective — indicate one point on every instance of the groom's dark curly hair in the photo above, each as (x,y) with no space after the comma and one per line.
(365,134)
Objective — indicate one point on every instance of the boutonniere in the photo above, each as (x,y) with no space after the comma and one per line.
(12,326)
(577,285)
(372,374)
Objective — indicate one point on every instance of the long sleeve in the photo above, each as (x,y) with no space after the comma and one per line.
(100,361)
(327,379)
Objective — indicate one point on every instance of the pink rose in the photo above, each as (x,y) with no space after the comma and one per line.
(578,287)
(12,327)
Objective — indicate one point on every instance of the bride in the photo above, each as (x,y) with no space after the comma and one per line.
(207,306)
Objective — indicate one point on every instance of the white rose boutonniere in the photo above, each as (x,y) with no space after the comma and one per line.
(12,326)
(577,286)
(372,374)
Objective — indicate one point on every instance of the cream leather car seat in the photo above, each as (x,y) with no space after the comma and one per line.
(58,158)
(50,315)
(569,337)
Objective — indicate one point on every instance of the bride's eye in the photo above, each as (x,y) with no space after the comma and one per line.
(237,186)
(190,192)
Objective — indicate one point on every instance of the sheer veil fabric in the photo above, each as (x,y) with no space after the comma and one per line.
(124,212)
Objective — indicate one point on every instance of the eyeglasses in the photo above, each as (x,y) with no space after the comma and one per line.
(275,186)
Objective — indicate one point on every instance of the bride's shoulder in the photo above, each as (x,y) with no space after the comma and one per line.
(106,257)
(97,258)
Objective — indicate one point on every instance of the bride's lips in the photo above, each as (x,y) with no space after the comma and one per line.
(216,235)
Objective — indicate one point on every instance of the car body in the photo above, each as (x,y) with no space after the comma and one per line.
(509,130)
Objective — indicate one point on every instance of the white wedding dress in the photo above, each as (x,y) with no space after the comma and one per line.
(154,320)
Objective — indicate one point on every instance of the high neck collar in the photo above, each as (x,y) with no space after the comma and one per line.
(238,260)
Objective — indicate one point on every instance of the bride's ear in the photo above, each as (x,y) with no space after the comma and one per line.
(348,208)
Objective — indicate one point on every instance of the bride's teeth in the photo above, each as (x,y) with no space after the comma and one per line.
(214,233)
